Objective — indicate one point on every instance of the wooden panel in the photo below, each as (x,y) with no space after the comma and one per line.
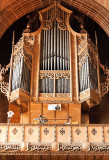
(94,134)
(24,118)
(78,134)
(31,134)
(63,114)
(47,134)
(15,134)
(106,134)
(75,112)
(2,133)
(73,67)
(63,134)
(35,111)
(48,113)
(16,117)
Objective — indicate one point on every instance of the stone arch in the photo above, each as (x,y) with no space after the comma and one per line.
(17,9)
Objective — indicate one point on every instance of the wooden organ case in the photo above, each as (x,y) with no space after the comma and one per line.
(53,65)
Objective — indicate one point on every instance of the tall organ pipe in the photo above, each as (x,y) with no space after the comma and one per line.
(68,50)
(44,53)
(63,56)
(65,51)
(60,49)
(57,48)
(55,45)
(51,49)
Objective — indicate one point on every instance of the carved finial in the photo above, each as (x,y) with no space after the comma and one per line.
(82,29)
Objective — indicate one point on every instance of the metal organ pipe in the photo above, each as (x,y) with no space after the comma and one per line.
(55,53)
(68,51)
(51,31)
(55,45)
(58,48)
(44,52)
(62,50)
(49,49)
(65,51)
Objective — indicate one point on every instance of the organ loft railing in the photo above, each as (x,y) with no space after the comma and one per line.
(54,64)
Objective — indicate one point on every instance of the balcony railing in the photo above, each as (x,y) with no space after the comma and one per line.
(54,137)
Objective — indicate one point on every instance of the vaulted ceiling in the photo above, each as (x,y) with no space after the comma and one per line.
(12,10)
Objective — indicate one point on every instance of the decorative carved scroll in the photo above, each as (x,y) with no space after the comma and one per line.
(4,86)
(56,95)
(47,25)
(39,147)
(99,148)
(58,75)
(105,85)
(70,147)
(55,12)
(104,88)
(82,58)
(62,94)
(50,75)
(86,48)
(92,45)
(17,57)
(9,147)
(22,52)
(81,43)
(29,42)
(56,102)
(28,59)
(19,43)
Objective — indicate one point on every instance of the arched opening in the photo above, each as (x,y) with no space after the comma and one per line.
(89,25)
(16,10)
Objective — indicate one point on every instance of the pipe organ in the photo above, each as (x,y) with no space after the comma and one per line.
(54,65)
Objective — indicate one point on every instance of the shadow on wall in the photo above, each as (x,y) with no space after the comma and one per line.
(3,108)
(100,114)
